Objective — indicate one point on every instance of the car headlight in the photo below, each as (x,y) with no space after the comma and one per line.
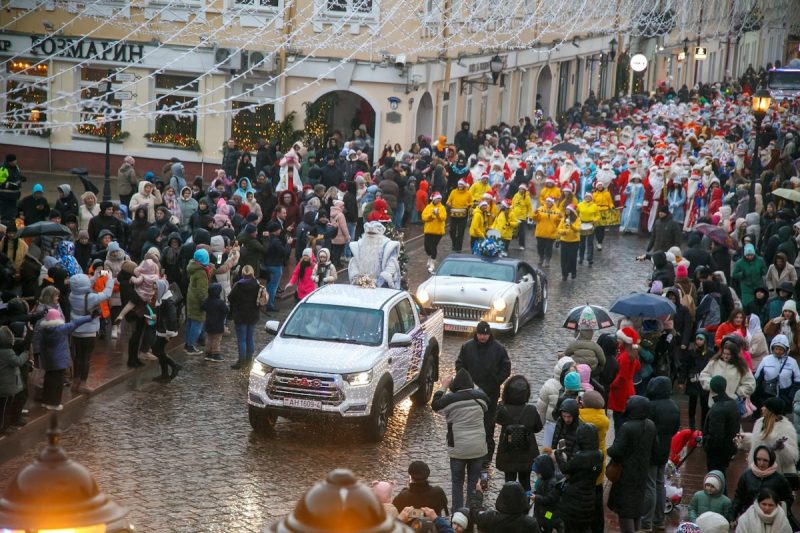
(358,379)
(422,296)
(260,369)
(499,305)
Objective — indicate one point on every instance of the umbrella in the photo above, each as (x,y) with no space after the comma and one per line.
(588,317)
(45,228)
(565,147)
(787,194)
(643,306)
(718,235)
(83,175)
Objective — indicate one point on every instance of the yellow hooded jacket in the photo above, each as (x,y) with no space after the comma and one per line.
(588,211)
(434,223)
(479,224)
(521,206)
(569,232)
(505,222)
(547,220)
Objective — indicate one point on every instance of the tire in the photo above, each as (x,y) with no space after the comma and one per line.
(544,300)
(261,420)
(427,380)
(378,419)
(514,319)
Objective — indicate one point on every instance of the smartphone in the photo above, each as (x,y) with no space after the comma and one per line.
(484,480)
(562,444)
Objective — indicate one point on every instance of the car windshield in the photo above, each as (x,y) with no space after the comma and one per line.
(335,323)
(476,269)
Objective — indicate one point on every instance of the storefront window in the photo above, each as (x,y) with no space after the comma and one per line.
(249,124)
(352,6)
(95,109)
(26,97)
(256,3)
(176,104)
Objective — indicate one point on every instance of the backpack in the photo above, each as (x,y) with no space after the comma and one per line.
(263,296)
(517,437)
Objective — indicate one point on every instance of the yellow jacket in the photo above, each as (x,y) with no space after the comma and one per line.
(479,224)
(521,206)
(459,199)
(491,214)
(562,205)
(599,419)
(589,212)
(434,223)
(603,200)
(478,189)
(547,222)
(569,232)
(549,192)
(505,224)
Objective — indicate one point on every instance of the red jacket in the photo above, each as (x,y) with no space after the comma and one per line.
(725,329)
(622,387)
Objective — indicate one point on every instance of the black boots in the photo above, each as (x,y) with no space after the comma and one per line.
(169,369)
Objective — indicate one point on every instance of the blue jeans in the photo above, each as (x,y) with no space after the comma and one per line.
(193,330)
(351,229)
(398,214)
(275,273)
(457,469)
(245,342)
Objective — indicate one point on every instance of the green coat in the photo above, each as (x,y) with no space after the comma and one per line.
(702,502)
(10,380)
(197,291)
(750,275)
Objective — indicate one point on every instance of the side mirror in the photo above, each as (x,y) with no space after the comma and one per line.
(272,327)
(525,279)
(400,340)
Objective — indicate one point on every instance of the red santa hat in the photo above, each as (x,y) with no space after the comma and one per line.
(523,187)
(505,204)
(436,196)
(488,196)
(462,183)
(628,335)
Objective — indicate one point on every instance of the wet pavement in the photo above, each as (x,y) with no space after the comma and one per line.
(183,457)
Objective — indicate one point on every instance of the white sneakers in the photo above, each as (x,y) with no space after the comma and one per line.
(49,407)
(115,332)
(431,265)
(599,246)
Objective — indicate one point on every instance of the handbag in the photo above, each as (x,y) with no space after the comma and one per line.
(613,471)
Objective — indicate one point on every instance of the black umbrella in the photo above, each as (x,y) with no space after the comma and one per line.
(83,175)
(565,147)
(45,228)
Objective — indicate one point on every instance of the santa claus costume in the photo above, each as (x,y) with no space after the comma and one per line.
(567,175)
(289,174)
(655,191)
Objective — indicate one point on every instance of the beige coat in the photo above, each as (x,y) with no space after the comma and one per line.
(738,386)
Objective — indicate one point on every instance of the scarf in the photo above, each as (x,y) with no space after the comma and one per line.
(765,473)
(754,520)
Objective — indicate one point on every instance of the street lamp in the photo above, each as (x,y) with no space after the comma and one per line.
(613,51)
(495,67)
(56,494)
(107,179)
(760,105)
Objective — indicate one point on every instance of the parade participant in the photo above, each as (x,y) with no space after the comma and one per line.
(488,364)
(634,200)
(569,236)
(608,214)
(628,362)
(522,210)
(519,422)
(479,223)
(505,223)
(375,256)
(479,188)
(459,202)
(434,216)
(547,218)
(549,191)
(589,213)
(676,201)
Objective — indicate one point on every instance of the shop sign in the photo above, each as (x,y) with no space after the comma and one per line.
(87,49)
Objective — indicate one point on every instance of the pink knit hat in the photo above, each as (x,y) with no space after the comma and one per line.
(682,271)
(53,314)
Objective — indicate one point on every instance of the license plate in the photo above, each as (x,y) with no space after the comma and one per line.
(456,327)
(302,403)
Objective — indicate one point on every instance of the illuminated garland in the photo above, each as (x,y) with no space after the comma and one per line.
(316,127)
(100,131)
(181,141)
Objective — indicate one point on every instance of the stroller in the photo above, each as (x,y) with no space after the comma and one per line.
(683,444)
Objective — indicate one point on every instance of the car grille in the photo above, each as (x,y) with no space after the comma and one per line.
(463,313)
(304,386)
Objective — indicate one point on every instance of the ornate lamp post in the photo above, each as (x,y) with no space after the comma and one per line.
(56,494)
(495,67)
(760,105)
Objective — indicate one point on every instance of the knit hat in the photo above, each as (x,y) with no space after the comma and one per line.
(483,328)
(38,188)
(711,522)
(713,479)
(419,471)
(201,256)
(250,228)
(572,381)
(628,335)
(53,314)
(460,519)
(718,384)
(664,208)
(749,249)
(593,400)
(307,252)
(775,405)
(789,305)
(688,527)
(105,205)
(657,287)
(681,272)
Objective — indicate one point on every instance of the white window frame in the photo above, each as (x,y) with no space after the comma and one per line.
(81,85)
(157,92)
(321,10)
(178,10)
(8,76)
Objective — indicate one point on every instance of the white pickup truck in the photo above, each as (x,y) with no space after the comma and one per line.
(346,352)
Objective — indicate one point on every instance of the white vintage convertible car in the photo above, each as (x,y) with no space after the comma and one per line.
(505,292)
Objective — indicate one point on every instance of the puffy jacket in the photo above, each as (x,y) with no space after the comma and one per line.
(197,291)
(750,275)
(783,429)
(750,485)
(149,201)
(566,432)
(434,223)
(420,494)
(304,284)
(598,418)
(167,317)
(569,232)
(53,341)
(721,426)
(588,212)
(510,514)
(463,408)
(547,221)
(738,386)
(479,224)
(548,493)
(584,350)
(339,222)
(83,301)
(521,206)
(421,196)
(665,415)
(603,200)
(515,409)
(243,301)
(390,189)
(581,471)
(703,503)
(215,309)
(188,208)
(478,189)
(548,394)
(505,223)
(634,446)
(10,363)
(126,179)
(488,364)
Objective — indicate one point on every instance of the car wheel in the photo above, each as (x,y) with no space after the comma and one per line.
(515,318)
(379,417)
(544,299)
(427,379)
(261,420)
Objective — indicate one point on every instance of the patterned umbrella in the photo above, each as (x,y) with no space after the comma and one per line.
(718,235)
(588,317)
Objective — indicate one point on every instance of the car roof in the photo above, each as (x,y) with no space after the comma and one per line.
(352,296)
(480,259)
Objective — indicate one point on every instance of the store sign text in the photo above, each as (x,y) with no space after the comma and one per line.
(121,52)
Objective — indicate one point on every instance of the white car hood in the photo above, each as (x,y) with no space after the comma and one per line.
(464,291)
(318,356)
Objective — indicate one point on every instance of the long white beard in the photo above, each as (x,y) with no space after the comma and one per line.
(367,254)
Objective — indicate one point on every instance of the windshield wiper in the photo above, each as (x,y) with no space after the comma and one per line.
(457,275)
(346,341)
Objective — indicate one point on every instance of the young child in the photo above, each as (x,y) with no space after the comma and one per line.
(144,284)
(166,328)
(301,277)
(216,312)
(711,498)
(324,271)
(54,357)
(546,493)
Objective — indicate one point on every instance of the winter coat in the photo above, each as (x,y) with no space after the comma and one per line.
(548,493)
(664,271)
(53,341)
(754,520)
(390,189)
(197,291)
(703,503)
(581,471)
(515,409)
(479,224)
(252,252)
(167,317)
(83,300)
(188,208)
(222,273)
(243,301)
(622,387)
(775,278)
(505,223)
(421,494)
(434,223)
(666,233)
(521,206)
(786,457)
(68,205)
(305,285)
(85,214)
(126,179)
(586,352)
(10,363)
(510,514)
(634,447)
(551,389)
(149,201)
(215,309)
(339,222)
(563,431)
(598,418)
(487,363)
(721,426)
(738,386)
(750,485)
(665,415)
(324,273)
(463,408)
(569,232)
(750,275)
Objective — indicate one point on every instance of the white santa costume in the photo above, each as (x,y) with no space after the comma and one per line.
(289,181)
(694,204)
(655,188)
(375,257)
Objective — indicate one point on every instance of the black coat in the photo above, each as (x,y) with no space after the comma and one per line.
(722,425)
(665,415)
(664,270)
(634,446)
(252,252)
(510,514)
(697,257)
(548,493)
(750,485)
(216,310)
(666,234)
(487,363)
(563,431)
(67,205)
(515,409)
(243,300)
(581,472)
(422,494)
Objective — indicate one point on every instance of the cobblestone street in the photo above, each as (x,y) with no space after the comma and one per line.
(183,458)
